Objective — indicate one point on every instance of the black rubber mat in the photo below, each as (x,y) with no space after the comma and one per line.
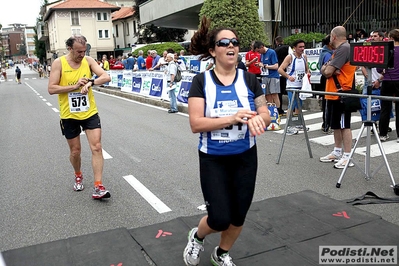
(113,247)
(286,230)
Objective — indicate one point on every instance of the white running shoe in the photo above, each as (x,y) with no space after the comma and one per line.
(332,157)
(342,162)
(222,260)
(191,254)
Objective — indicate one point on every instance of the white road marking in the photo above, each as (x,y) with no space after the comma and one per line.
(329,139)
(55,110)
(202,207)
(49,104)
(388,146)
(306,117)
(153,200)
(106,155)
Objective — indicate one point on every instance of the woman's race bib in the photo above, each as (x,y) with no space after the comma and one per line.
(232,132)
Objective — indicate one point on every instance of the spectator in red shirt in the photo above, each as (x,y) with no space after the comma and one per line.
(148,60)
(111,61)
(252,59)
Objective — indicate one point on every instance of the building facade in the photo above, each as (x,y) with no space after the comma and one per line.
(30,41)
(321,16)
(14,42)
(89,18)
(4,47)
(286,17)
(125,30)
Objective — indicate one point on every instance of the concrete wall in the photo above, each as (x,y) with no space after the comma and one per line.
(171,13)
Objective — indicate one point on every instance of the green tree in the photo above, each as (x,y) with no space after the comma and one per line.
(22,49)
(40,48)
(239,15)
(152,33)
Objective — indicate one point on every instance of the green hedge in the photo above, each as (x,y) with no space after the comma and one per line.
(160,47)
(307,37)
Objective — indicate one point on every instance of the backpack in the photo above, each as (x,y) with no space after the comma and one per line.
(178,74)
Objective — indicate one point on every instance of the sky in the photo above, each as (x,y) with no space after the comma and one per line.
(19,11)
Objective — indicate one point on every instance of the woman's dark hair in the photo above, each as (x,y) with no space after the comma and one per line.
(75,38)
(203,39)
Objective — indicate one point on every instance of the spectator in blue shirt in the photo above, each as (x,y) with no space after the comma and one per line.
(269,73)
(156,57)
(130,62)
(141,61)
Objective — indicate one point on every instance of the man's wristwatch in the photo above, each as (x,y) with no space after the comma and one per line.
(92,81)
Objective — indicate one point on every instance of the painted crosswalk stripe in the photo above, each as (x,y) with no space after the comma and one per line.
(306,117)
(329,139)
(389,148)
(317,126)
(153,200)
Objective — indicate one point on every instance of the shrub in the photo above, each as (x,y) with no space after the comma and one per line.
(307,37)
(160,47)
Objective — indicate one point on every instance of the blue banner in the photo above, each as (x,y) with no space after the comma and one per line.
(182,96)
(195,65)
(136,84)
(156,87)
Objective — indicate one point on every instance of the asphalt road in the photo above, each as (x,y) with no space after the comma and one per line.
(142,143)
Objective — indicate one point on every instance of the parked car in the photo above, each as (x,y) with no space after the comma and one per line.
(118,65)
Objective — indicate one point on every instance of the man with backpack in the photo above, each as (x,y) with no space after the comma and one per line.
(18,74)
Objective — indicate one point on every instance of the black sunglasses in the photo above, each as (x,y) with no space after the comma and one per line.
(226,42)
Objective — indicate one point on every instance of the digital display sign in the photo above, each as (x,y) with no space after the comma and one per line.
(372,54)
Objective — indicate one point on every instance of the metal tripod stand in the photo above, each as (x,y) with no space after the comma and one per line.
(368,125)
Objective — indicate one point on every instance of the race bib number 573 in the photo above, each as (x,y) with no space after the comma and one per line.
(78,102)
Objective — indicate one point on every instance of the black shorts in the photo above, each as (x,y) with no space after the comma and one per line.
(228,185)
(259,78)
(336,116)
(71,128)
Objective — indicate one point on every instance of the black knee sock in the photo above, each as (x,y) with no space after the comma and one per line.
(220,251)
(198,238)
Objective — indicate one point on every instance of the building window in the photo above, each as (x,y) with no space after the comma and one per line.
(103,34)
(127,29)
(102,16)
(134,27)
(75,17)
(75,31)
(116,31)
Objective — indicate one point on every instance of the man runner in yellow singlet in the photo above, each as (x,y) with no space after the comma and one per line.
(71,79)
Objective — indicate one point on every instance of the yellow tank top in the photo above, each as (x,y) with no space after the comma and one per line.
(74,104)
